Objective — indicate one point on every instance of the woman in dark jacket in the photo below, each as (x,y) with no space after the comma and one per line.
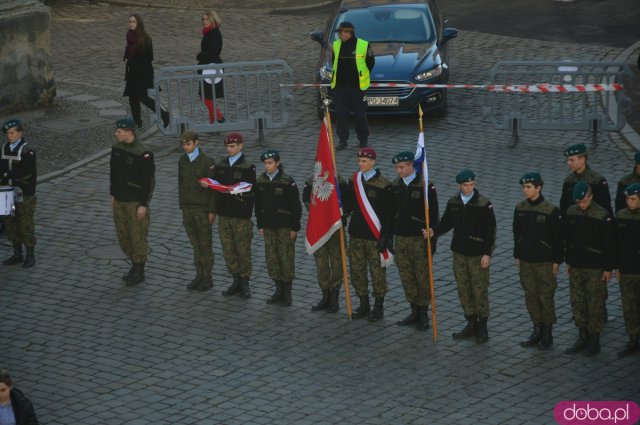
(14,406)
(138,55)
(210,48)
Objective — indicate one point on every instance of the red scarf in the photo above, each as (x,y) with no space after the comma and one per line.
(205,30)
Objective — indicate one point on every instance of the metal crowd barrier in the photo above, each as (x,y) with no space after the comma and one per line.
(252,97)
(570,110)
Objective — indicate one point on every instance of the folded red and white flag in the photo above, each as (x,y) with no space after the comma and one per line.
(233,189)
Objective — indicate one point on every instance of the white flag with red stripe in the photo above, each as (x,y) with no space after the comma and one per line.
(233,189)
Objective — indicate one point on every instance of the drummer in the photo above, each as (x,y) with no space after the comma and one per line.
(18,170)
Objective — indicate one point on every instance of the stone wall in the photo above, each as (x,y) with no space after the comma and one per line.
(26,74)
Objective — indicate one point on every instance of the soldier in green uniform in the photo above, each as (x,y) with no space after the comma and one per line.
(132,178)
(328,259)
(628,264)
(365,247)
(234,214)
(590,256)
(18,170)
(410,245)
(198,207)
(538,247)
(629,179)
(472,219)
(278,213)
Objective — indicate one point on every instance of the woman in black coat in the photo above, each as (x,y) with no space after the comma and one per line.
(138,55)
(210,48)
(14,404)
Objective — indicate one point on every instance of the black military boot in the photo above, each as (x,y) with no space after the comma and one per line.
(633,346)
(245,291)
(411,318)
(125,276)
(483,333)
(16,258)
(277,295)
(363,308)
(470,330)
(334,302)
(234,288)
(546,341)
(580,344)
(195,282)
(377,312)
(341,145)
(137,274)
(594,344)
(535,336)
(324,302)
(286,293)
(30,259)
(423,318)
(206,282)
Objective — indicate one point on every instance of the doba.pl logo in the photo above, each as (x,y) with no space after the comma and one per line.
(596,413)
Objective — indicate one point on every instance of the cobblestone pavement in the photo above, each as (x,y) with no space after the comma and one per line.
(88,350)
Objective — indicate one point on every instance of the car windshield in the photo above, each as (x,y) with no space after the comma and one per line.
(403,24)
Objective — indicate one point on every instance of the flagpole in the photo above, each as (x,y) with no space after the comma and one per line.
(429,253)
(343,251)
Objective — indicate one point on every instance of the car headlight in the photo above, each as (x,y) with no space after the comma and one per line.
(429,74)
(325,73)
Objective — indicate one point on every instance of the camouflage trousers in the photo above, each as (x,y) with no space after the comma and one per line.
(539,287)
(411,259)
(329,263)
(364,254)
(196,224)
(132,233)
(20,227)
(235,237)
(630,295)
(473,284)
(280,253)
(587,293)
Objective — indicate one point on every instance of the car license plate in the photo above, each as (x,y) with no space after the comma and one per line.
(383,101)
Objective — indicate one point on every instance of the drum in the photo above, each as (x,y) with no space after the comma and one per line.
(7,206)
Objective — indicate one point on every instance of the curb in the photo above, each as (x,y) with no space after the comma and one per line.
(157,5)
(628,134)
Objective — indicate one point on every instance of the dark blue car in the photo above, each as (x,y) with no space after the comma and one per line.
(409,41)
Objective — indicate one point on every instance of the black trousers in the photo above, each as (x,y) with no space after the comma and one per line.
(134,103)
(349,99)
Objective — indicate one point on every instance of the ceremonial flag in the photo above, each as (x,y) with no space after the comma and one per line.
(233,189)
(420,164)
(324,208)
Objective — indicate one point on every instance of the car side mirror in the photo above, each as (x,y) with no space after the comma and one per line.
(318,37)
(448,34)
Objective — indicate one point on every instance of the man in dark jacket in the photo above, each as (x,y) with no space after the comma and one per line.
(14,405)
(629,179)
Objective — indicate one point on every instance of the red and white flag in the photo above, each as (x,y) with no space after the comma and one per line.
(324,210)
(233,189)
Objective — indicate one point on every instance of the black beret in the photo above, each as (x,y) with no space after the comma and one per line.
(533,178)
(580,190)
(271,153)
(632,189)
(13,122)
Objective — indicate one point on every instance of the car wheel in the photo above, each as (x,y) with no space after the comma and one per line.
(442,109)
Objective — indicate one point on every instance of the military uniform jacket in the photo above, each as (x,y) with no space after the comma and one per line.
(190,193)
(19,167)
(408,217)
(241,205)
(132,174)
(538,232)
(589,238)
(474,225)
(628,241)
(599,188)
(378,191)
(277,202)
(621,199)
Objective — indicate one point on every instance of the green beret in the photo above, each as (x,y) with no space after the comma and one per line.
(637,158)
(533,178)
(189,135)
(13,122)
(271,153)
(126,123)
(465,176)
(575,149)
(632,189)
(403,156)
(580,190)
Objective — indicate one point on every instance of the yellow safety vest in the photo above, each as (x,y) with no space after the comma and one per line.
(361,63)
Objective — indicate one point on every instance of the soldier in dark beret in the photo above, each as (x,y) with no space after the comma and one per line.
(472,219)
(590,256)
(538,248)
(18,170)
(278,213)
(628,265)
(629,179)
(132,178)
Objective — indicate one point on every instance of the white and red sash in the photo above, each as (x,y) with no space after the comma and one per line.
(386,257)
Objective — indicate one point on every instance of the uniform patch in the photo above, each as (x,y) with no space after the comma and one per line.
(279,191)
(146,156)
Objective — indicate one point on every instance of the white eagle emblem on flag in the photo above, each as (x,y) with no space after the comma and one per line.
(321,189)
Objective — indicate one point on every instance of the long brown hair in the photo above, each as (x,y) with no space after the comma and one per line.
(143,38)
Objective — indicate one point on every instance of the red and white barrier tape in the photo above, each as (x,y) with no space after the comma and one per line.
(504,88)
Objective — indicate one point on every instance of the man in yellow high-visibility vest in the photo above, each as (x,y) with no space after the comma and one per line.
(353,61)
